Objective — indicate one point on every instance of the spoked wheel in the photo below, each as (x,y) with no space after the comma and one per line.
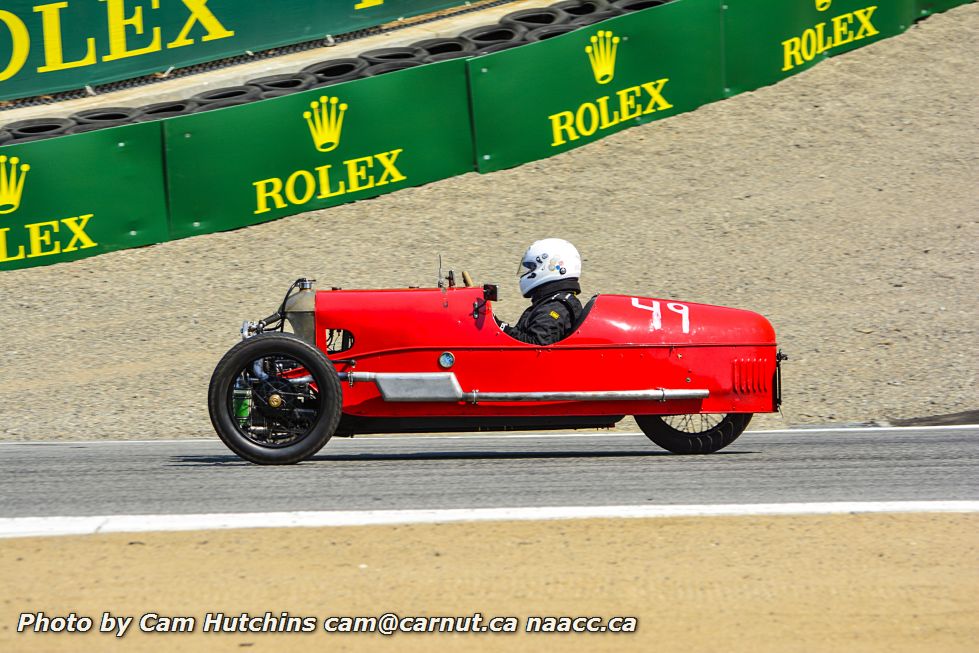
(274,399)
(691,434)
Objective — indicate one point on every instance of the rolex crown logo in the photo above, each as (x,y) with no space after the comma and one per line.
(601,54)
(326,122)
(11,183)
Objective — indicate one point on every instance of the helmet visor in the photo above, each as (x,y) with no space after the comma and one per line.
(526,267)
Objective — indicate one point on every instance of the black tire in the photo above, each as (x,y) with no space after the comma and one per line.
(106,115)
(537,17)
(597,17)
(335,71)
(227,94)
(578,8)
(389,55)
(44,127)
(235,373)
(637,5)
(487,35)
(161,110)
(693,434)
(291,83)
(442,46)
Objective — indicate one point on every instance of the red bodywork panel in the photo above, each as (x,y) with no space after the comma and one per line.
(624,343)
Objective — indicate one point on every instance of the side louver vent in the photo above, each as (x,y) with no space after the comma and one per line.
(750,375)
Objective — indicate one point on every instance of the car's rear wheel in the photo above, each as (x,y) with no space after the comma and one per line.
(274,399)
(693,434)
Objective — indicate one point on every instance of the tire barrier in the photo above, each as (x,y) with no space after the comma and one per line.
(597,17)
(161,110)
(441,46)
(198,169)
(227,94)
(101,116)
(637,5)
(335,71)
(38,127)
(392,55)
(579,8)
(531,19)
(487,35)
(48,47)
(288,83)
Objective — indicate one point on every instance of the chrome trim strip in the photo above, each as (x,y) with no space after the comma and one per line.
(444,387)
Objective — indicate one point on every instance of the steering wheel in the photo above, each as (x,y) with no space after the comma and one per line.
(467,280)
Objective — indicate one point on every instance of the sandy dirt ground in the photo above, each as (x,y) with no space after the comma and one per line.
(767,584)
(841,204)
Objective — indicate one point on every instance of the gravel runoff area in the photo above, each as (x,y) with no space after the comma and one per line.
(840,203)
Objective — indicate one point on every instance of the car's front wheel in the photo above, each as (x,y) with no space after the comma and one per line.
(693,434)
(274,399)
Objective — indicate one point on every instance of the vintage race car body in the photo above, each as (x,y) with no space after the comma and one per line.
(714,359)
(432,360)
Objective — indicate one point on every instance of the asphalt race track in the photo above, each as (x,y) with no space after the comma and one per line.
(489,471)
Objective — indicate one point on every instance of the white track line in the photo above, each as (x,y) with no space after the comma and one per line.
(493,436)
(47,526)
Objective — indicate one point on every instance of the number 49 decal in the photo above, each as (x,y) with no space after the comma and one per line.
(680,309)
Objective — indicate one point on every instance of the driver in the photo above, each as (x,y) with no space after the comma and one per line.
(548,272)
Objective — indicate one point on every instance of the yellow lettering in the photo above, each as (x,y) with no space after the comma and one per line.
(307,177)
(118,22)
(607,121)
(325,190)
(562,124)
(866,27)
(791,54)
(77,227)
(357,172)
(367,4)
(269,188)
(199,13)
(824,43)
(391,173)
(3,248)
(809,45)
(627,102)
(579,120)
(656,100)
(841,29)
(40,235)
(53,50)
(20,40)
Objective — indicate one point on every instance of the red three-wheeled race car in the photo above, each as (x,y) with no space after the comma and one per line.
(435,360)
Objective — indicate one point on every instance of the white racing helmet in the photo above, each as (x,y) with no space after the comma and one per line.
(547,260)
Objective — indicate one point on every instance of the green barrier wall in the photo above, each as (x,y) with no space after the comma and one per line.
(68,198)
(538,100)
(48,46)
(928,7)
(249,164)
(767,41)
(75,196)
